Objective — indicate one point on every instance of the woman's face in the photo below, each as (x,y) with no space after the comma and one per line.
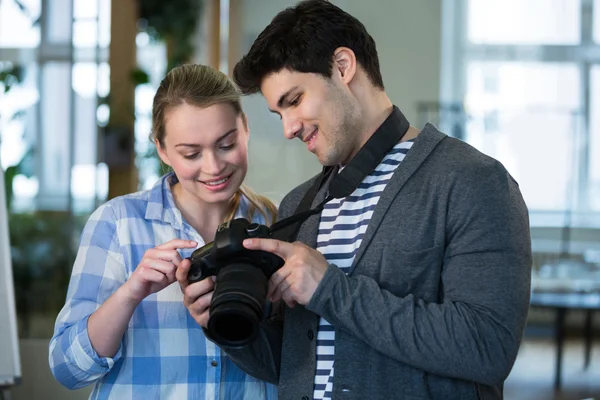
(207,149)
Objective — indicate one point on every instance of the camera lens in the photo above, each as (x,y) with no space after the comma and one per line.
(237,305)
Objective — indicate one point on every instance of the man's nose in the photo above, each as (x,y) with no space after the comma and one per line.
(291,127)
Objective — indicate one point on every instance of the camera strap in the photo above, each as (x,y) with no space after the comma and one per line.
(349,179)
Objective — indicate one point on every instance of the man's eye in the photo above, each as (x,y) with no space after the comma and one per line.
(295,101)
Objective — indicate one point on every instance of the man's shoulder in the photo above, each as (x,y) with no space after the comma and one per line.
(455,155)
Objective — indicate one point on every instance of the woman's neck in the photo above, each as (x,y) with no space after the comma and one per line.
(205,218)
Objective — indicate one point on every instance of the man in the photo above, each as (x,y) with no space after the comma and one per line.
(416,285)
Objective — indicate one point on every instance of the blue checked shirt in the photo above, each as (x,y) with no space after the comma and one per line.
(164,353)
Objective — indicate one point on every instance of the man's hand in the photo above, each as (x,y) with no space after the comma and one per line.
(198,295)
(297,280)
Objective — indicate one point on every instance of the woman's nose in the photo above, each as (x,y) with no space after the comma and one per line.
(212,164)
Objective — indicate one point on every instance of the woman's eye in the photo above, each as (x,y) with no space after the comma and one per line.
(295,101)
(228,146)
(191,156)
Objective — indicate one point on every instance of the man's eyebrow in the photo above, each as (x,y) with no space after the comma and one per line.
(284,96)
(224,136)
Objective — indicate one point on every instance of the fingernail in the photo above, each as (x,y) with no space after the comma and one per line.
(214,278)
(248,242)
(192,242)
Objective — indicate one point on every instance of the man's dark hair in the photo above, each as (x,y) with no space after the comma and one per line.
(303,38)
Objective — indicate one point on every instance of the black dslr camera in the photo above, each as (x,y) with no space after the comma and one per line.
(239,298)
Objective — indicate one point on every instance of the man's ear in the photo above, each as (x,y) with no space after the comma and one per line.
(344,64)
(161,153)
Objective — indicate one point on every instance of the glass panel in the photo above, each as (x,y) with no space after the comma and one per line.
(17,28)
(85,33)
(18,136)
(524,22)
(526,115)
(104,23)
(596,21)
(594,145)
(85,9)
(55,152)
(151,57)
(59,21)
(83,185)
(224,36)
(103,79)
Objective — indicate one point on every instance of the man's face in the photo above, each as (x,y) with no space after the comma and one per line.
(321,112)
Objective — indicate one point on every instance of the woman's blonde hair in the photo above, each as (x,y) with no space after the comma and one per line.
(203,86)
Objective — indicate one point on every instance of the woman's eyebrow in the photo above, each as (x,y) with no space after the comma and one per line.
(222,137)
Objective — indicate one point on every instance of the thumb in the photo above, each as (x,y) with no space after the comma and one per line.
(182,272)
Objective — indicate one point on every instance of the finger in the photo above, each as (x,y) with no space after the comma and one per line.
(181,274)
(278,292)
(201,305)
(167,255)
(202,319)
(288,297)
(282,249)
(198,289)
(165,267)
(276,279)
(154,276)
(177,244)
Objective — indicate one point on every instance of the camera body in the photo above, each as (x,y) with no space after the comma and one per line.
(242,276)
(227,248)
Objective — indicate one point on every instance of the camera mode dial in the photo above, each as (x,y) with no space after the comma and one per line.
(253,229)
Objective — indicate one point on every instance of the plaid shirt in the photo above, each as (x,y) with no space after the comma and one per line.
(164,353)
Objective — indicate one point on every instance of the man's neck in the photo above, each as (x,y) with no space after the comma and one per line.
(375,110)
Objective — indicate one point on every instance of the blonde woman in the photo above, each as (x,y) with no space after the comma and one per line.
(124,326)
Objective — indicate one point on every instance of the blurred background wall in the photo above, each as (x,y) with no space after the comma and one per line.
(519,80)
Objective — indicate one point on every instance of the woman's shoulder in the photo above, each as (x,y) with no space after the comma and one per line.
(135,205)
(131,205)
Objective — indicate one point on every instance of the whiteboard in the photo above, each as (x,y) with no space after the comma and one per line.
(10,363)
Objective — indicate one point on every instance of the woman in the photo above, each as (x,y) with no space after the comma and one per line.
(124,326)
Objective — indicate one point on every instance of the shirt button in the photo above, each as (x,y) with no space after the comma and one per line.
(214,363)
(310,334)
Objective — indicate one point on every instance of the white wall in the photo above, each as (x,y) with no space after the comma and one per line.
(407,34)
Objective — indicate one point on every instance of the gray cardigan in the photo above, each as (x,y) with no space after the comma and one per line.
(435,303)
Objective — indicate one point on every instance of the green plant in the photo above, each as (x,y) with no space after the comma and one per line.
(43,251)
(10,76)
(173,22)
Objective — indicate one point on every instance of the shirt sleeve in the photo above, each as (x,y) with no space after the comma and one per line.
(97,273)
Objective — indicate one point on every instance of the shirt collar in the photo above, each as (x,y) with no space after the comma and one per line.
(161,205)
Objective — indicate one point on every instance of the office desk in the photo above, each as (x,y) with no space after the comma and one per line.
(561,303)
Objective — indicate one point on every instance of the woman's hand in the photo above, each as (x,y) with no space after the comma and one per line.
(198,295)
(156,270)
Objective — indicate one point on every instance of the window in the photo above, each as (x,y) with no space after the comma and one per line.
(594,155)
(518,110)
(524,22)
(596,18)
(17,26)
(525,78)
